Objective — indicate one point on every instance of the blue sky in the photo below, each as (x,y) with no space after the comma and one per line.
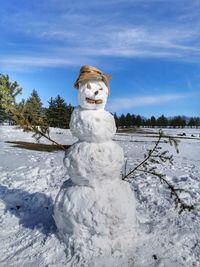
(151,48)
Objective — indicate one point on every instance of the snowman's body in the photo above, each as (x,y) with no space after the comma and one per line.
(95,210)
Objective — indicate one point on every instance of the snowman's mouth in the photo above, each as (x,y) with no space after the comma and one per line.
(92,101)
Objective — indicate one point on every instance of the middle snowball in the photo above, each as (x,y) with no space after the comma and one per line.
(92,125)
(88,163)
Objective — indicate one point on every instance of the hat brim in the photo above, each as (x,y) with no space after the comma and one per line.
(87,76)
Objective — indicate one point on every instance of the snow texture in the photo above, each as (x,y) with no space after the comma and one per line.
(30,181)
(95,210)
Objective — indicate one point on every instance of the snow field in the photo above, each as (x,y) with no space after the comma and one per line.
(30,181)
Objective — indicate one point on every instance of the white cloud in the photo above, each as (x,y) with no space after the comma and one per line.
(132,42)
(90,32)
(127,103)
(24,63)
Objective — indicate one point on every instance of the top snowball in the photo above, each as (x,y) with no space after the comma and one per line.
(93,95)
(93,88)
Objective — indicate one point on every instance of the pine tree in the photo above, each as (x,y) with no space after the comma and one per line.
(33,110)
(144,122)
(162,121)
(148,123)
(178,121)
(8,92)
(58,113)
(128,120)
(2,113)
(153,121)
(133,118)
(122,121)
(138,121)
(197,121)
(182,122)
(191,122)
(29,116)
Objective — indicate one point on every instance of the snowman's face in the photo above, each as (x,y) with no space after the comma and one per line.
(92,94)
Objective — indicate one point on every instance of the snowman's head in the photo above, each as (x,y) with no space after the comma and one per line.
(92,94)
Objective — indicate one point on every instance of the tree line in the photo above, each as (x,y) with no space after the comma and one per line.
(131,120)
(32,112)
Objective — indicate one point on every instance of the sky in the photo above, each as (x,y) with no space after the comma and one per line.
(150,47)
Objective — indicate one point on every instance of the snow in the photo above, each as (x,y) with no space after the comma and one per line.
(30,181)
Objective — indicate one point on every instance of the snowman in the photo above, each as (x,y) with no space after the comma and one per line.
(95,210)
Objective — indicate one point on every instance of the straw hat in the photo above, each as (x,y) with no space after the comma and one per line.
(88,72)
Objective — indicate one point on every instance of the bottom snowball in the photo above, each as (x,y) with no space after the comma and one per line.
(97,223)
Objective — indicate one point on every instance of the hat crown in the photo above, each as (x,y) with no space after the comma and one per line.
(88,69)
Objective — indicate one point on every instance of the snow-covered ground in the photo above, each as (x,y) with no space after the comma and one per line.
(30,181)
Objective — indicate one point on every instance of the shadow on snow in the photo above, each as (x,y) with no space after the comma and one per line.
(34,210)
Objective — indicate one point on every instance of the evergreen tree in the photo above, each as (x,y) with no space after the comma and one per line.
(197,122)
(144,122)
(173,122)
(178,121)
(128,120)
(182,121)
(162,121)
(59,113)
(133,119)
(122,121)
(138,121)
(2,113)
(29,115)
(148,123)
(153,121)
(191,122)
(33,110)
(8,92)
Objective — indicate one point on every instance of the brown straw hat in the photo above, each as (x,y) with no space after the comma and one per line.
(87,72)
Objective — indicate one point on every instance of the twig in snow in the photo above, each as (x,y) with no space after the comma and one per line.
(149,165)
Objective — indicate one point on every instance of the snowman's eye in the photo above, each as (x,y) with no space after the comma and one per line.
(101,89)
(88,86)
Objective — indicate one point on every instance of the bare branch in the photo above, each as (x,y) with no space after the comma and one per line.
(180,204)
(146,158)
(156,156)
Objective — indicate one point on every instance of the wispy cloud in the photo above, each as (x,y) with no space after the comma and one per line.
(39,61)
(68,31)
(26,63)
(128,103)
